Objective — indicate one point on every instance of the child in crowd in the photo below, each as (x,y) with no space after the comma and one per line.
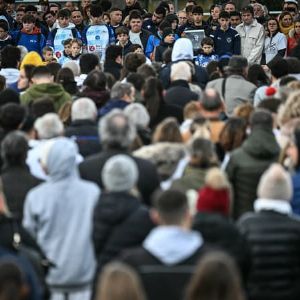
(48,55)
(98,35)
(207,53)
(122,34)
(5,38)
(76,50)
(67,51)
(65,30)
(30,36)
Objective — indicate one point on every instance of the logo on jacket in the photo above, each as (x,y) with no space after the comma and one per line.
(229,40)
(92,48)
(97,37)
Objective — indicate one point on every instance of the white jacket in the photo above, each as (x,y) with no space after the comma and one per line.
(252,41)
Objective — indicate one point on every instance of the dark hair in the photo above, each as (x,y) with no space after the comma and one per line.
(40,71)
(261,118)
(30,7)
(278,27)
(14,149)
(224,14)
(270,104)
(216,278)
(197,10)
(146,71)
(160,10)
(9,95)
(64,13)
(211,101)
(67,42)
(167,131)
(131,62)
(153,96)
(95,10)
(207,41)
(88,62)
(47,13)
(294,65)
(115,9)
(235,14)
(4,26)
(11,116)
(167,56)
(105,5)
(28,19)
(233,133)
(137,80)
(2,83)
(96,80)
(122,30)
(171,205)
(135,14)
(257,75)
(10,57)
(285,80)
(66,78)
(278,66)
(42,106)
(53,68)
(112,52)
(248,9)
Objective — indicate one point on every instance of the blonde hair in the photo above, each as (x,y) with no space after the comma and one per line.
(290,109)
(118,281)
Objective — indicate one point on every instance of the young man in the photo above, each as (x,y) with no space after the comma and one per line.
(153,23)
(50,19)
(235,19)
(226,40)
(98,35)
(198,22)
(115,18)
(77,19)
(65,30)
(122,34)
(252,36)
(30,36)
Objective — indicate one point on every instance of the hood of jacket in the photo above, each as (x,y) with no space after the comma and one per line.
(61,158)
(172,244)
(53,89)
(32,58)
(11,75)
(261,143)
(182,50)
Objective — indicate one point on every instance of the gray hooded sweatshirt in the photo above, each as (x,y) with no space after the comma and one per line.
(58,213)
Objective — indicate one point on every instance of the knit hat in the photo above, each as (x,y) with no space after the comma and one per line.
(167,31)
(32,58)
(120,173)
(215,195)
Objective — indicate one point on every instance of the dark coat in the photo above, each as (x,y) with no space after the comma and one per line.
(17,181)
(99,97)
(113,68)
(247,164)
(148,181)
(112,104)
(120,222)
(179,94)
(200,77)
(85,134)
(161,281)
(221,232)
(274,240)
(160,49)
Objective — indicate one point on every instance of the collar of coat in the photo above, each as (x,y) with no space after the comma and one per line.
(280,206)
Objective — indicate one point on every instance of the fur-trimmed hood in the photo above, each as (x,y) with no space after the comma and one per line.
(164,155)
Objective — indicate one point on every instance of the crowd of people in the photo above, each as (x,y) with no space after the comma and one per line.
(140,161)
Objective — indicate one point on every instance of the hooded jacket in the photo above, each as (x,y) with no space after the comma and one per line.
(53,90)
(34,41)
(183,51)
(58,213)
(11,75)
(32,58)
(247,164)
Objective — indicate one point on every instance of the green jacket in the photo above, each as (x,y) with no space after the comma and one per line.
(53,90)
(247,164)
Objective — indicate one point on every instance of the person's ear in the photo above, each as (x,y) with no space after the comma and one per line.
(154,215)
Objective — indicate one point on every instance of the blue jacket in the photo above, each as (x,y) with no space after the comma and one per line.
(203,59)
(33,42)
(110,105)
(149,42)
(295,202)
(226,42)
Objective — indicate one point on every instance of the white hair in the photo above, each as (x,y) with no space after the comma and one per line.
(138,114)
(49,126)
(73,66)
(181,71)
(275,184)
(83,108)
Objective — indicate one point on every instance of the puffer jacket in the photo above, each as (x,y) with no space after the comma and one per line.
(274,240)
(247,164)
(252,41)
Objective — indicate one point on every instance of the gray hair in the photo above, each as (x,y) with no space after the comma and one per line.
(120,89)
(275,184)
(83,108)
(181,70)
(116,130)
(49,126)
(138,114)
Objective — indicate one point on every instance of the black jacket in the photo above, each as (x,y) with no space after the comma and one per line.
(148,181)
(160,49)
(179,94)
(120,222)
(17,181)
(112,67)
(85,134)
(274,240)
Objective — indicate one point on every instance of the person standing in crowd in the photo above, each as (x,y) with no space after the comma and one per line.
(65,30)
(153,23)
(77,19)
(252,36)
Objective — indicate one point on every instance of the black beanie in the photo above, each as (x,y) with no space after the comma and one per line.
(167,31)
